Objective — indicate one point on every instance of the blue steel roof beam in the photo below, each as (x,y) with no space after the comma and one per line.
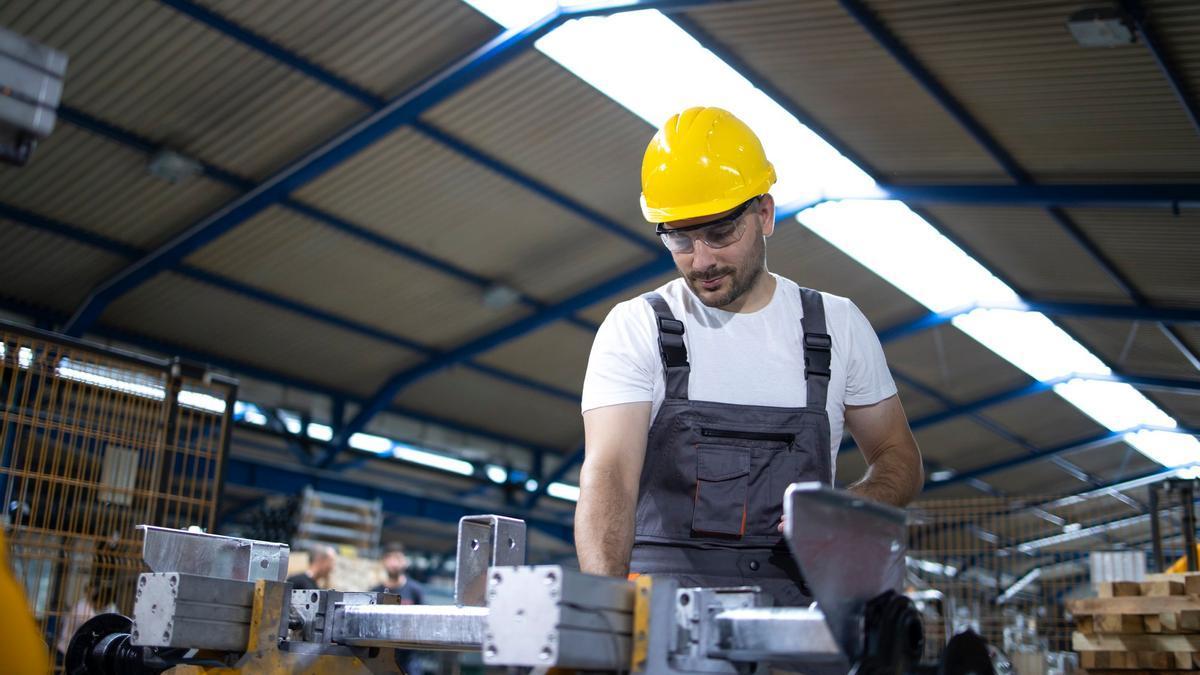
(1161,57)
(43,315)
(569,462)
(953,107)
(1151,195)
(384,395)
(39,222)
(995,428)
(402,110)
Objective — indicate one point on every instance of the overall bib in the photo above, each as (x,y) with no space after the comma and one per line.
(711,489)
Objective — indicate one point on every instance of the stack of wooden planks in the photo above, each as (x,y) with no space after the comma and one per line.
(1147,626)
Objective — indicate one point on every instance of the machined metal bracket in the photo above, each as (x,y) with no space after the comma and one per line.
(485,542)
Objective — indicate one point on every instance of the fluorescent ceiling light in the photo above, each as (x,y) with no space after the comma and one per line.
(24,357)
(496,474)
(531,485)
(563,491)
(321,432)
(371,443)
(436,461)
(290,422)
(124,381)
(206,402)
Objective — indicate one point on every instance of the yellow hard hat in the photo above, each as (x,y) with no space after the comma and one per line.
(701,162)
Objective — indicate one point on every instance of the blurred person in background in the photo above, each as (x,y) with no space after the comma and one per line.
(396,564)
(321,562)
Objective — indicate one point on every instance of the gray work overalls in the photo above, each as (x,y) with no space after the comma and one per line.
(711,490)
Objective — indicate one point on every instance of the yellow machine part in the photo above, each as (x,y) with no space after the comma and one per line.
(24,651)
(1180,566)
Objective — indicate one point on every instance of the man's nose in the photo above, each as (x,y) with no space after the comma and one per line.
(702,255)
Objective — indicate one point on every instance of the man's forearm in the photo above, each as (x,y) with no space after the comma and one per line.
(895,479)
(604,524)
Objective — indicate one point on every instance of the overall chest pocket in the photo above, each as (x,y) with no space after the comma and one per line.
(722,483)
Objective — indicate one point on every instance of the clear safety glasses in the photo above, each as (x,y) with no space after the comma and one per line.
(715,234)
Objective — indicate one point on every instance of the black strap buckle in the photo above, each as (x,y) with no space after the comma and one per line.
(670,340)
(820,342)
(818,348)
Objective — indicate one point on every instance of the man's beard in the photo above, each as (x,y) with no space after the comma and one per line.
(740,281)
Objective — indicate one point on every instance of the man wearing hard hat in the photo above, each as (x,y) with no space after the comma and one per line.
(707,397)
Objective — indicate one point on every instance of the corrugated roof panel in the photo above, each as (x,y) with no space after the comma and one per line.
(539,117)
(1177,23)
(196,315)
(383,47)
(1133,347)
(597,313)
(46,270)
(299,258)
(146,67)
(1115,462)
(97,185)
(1025,245)
(412,189)
(1042,480)
(556,354)
(1044,420)
(962,444)
(1064,111)
(831,67)
(1154,248)
(469,397)
(948,361)
(1184,407)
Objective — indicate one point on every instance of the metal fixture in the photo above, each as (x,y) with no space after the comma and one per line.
(1102,27)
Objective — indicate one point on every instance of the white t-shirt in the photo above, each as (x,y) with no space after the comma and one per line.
(751,359)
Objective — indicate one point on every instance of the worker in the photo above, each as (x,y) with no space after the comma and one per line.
(321,562)
(704,399)
(411,592)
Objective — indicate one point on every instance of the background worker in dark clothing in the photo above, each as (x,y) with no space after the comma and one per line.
(395,562)
(321,562)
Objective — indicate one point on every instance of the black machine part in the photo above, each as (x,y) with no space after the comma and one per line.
(102,646)
(894,638)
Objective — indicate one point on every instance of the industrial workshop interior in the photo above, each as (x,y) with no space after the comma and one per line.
(617,336)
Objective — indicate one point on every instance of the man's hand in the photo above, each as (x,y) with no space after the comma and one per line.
(895,474)
(615,442)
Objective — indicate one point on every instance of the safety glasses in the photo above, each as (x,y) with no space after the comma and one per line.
(715,234)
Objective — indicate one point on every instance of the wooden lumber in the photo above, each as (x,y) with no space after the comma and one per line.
(1157,589)
(1117,623)
(1083,642)
(1134,605)
(1118,589)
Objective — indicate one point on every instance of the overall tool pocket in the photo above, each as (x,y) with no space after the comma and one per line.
(722,483)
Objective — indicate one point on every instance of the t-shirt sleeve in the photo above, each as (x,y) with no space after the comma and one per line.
(624,358)
(868,380)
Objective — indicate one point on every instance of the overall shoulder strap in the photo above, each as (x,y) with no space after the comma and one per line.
(670,342)
(818,347)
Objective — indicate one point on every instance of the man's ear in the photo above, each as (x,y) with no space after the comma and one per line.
(766,209)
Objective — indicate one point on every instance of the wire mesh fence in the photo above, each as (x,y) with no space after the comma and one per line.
(93,443)
(1005,567)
